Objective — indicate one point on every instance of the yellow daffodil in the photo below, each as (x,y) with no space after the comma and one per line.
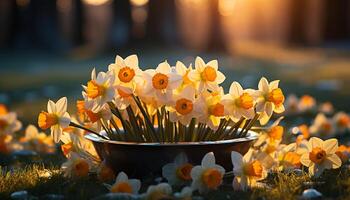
(56,118)
(270,99)
(289,156)
(207,176)
(123,184)
(99,90)
(179,172)
(322,126)
(184,106)
(76,166)
(206,75)
(239,103)
(321,155)
(9,123)
(342,121)
(161,81)
(247,170)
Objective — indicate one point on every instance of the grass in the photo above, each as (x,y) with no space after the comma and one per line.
(40,181)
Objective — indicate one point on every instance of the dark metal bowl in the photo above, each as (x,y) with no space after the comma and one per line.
(142,159)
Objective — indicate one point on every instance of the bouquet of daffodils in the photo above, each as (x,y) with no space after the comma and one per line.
(167,104)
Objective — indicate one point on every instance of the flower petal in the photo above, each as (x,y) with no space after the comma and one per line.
(330,146)
(208,160)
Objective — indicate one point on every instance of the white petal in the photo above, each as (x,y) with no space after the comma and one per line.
(213,64)
(56,132)
(220,77)
(236,89)
(236,159)
(196,172)
(305,160)
(330,146)
(334,160)
(208,160)
(164,68)
(61,105)
(274,84)
(132,61)
(263,85)
(51,107)
(122,177)
(199,64)
(181,159)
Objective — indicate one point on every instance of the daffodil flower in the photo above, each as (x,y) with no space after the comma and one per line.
(3,109)
(270,99)
(76,166)
(160,191)
(99,90)
(306,103)
(37,141)
(185,106)
(239,102)
(183,71)
(322,126)
(161,81)
(56,118)
(179,172)
(105,173)
(341,121)
(289,156)
(247,170)
(9,123)
(206,75)
(212,108)
(125,185)
(207,176)
(343,152)
(321,155)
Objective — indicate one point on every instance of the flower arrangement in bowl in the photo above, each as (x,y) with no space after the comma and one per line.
(140,120)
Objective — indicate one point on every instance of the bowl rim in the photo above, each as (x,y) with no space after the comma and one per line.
(251,135)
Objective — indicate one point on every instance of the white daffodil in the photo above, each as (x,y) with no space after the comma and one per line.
(208,175)
(306,103)
(342,121)
(57,118)
(247,170)
(160,191)
(76,166)
(9,123)
(127,72)
(239,103)
(322,126)
(321,155)
(185,106)
(270,99)
(179,172)
(99,90)
(183,71)
(161,81)
(37,141)
(125,185)
(206,75)
(212,108)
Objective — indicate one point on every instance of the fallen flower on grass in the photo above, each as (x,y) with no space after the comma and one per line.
(321,155)
(247,170)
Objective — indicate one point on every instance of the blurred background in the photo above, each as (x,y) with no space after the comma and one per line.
(49,47)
